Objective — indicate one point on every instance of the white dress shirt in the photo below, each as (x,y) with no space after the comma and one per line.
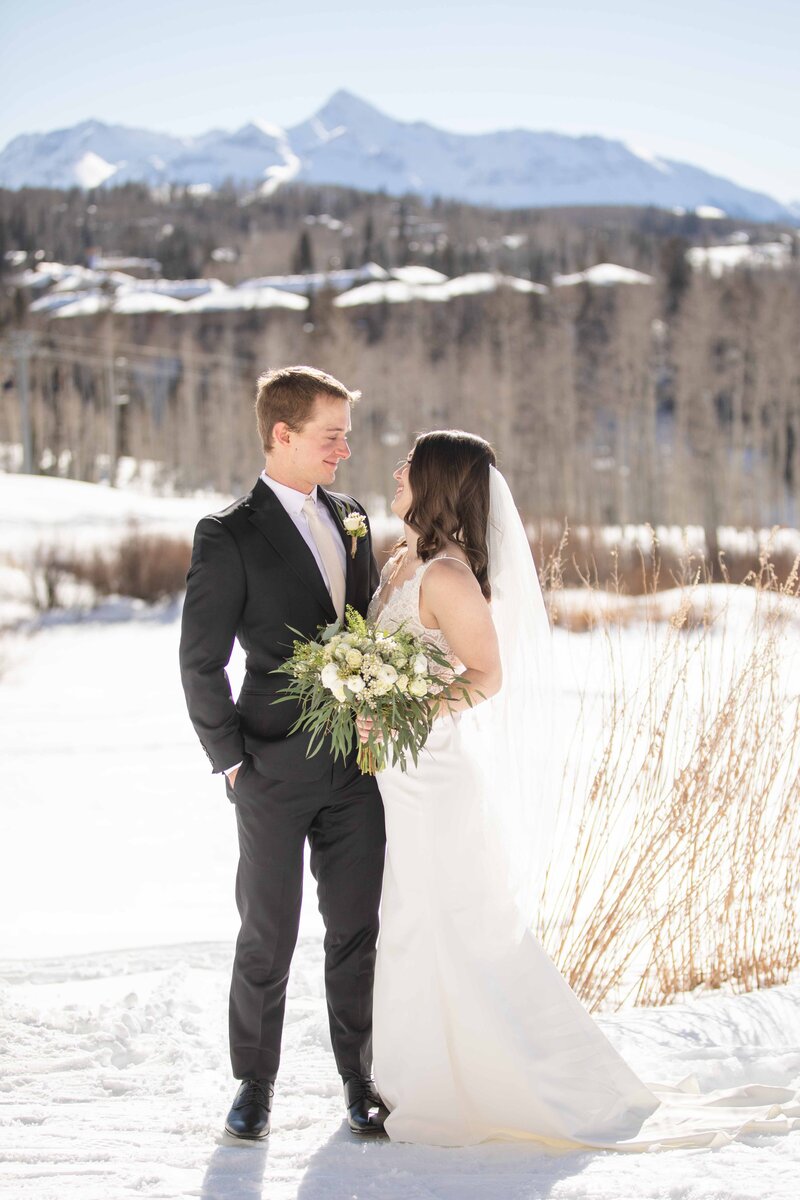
(293,501)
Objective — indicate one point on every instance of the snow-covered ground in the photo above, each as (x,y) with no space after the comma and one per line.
(37,509)
(117,921)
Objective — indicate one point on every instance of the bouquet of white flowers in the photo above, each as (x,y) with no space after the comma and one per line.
(361,671)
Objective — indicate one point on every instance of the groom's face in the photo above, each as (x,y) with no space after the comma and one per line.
(311,455)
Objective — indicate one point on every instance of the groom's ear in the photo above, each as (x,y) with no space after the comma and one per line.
(281,433)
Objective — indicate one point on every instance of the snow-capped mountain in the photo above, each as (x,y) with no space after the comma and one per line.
(349,142)
(93,154)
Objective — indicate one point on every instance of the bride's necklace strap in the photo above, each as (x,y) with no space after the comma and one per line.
(386,586)
(402,561)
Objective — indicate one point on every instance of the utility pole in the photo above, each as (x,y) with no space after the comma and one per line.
(22,347)
(115,402)
(111,390)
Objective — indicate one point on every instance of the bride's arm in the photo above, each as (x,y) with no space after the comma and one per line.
(451,599)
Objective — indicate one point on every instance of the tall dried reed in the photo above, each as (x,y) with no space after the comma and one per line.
(680,796)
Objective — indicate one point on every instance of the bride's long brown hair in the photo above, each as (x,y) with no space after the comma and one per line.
(449,480)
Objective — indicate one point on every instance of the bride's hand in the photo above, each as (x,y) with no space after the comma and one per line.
(364,726)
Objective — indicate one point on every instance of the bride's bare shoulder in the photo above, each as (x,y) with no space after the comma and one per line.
(446,572)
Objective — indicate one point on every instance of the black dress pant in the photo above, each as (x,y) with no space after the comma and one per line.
(342,817)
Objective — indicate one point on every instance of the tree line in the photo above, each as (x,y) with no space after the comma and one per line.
(675,403)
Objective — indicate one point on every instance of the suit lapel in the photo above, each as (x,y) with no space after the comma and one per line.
(274,523)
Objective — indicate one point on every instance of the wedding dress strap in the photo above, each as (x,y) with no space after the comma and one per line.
(450,557)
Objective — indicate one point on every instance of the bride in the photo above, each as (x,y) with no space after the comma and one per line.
(476,1035)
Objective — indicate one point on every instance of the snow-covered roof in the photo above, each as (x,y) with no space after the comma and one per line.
(76,277)
(487,281)
(180,289)
(120,263)
(54,300)
(602,275)
(338,281)
(418,275)
(43,274)
(146,302)
(133,296)
(395,291)
(245,298)
(88,305)
(66,277)
(390,291)
(718,259)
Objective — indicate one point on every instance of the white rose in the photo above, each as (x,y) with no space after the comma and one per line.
(418,687)
(402,683)
(387,674)
(355,683)
(329,676)
(353,659)
(355,523)
(420,665)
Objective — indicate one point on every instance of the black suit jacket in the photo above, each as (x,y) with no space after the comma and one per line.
(251,577)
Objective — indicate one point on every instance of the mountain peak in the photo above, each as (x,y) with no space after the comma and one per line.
(344,105)
(343,96)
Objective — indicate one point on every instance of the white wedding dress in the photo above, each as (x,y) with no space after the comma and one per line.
(476,1035)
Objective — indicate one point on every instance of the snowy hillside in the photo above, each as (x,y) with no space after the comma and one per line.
(351,143)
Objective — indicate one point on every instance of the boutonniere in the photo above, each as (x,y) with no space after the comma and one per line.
(355,524)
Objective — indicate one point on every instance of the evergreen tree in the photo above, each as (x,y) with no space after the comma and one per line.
(368,247)
(303,258)
(677,272)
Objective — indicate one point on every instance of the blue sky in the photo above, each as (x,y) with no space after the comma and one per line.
(714,82)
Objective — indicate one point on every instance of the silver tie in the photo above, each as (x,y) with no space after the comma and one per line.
(327,552)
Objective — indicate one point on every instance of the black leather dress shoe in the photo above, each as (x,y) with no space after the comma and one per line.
(366,1112)
(251,1110)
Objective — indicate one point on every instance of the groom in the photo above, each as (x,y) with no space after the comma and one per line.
(281,557)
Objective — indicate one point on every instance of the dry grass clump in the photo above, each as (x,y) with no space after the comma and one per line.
(145,566)
(591,558)
(48,569)
(594,584)
(684,832)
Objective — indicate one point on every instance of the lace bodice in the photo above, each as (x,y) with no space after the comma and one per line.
(402,608)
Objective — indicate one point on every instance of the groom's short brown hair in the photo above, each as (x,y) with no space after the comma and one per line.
(288,394)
